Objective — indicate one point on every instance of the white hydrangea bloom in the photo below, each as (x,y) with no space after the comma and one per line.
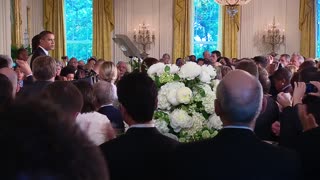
(174,68)
(162,126)
(163,103)
(190,70)
(198,120)
(214,122)
(204,77)
(209,70)
(184,95)
(172,97)
(156,69)
(207,73)
(208,103)
(163,99)
(180,119)
(208,100)
(215,83)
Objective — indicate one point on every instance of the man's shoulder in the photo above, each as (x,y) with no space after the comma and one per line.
(133,139)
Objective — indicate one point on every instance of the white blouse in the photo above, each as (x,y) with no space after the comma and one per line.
(97,127)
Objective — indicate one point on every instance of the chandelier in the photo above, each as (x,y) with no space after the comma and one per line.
(274,36)
(232,5)
(144,37)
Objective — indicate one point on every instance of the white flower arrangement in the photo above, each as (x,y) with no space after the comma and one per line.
(186,101)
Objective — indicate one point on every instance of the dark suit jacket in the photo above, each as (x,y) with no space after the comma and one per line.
(290,127)
(33,90)
(114,116)
(36,53)
(265,120)
(235,154)
(308,147)
(141,153)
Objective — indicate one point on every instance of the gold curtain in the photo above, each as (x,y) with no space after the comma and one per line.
(17,23)
(103,25)
(181,31)
(230,29)
(307,28)
(54,21)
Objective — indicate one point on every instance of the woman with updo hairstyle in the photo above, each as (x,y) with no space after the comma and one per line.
(108,72)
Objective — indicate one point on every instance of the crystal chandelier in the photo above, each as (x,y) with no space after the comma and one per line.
(144,37)
(274,36)
(232,5)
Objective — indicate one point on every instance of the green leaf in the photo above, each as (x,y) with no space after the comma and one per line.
(202,92)
(157,81)
(176,77)
(167,69)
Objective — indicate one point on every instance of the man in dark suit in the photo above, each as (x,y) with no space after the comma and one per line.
(46,44)
(236,153)
(142,152)
(44,72)
(106,95)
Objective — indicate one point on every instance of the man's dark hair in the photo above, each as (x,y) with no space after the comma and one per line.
(282,73)
(89,99)
(200,59)
(65,95)
(67,70)
(218,53)
(44,68)
(138,93)
(6,90)
(42,144)
(248,66)
(44,34)
(21,50)
(261,60)
(309,74)
(264,80)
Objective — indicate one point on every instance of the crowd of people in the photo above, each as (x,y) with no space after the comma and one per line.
(66,119)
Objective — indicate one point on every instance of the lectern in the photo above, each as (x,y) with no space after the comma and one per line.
(126,46)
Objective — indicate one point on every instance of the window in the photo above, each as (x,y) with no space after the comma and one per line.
(78,17)
(206,26)
(318,29)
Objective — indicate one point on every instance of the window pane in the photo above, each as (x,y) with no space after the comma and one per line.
(206,26)
(78,14)
(318,29)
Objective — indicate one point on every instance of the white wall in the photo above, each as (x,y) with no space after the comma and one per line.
(257,14)
(5,27)
(157,13)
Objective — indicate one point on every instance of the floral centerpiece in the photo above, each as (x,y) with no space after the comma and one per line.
(186,101)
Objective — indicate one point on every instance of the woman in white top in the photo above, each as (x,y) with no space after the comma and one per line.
(96,125)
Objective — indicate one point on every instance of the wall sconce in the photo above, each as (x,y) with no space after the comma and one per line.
(274,36)
(144,37)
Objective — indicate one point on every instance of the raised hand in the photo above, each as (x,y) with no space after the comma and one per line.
(298,93)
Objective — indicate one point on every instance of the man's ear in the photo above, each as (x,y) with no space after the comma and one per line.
(264,104)
(217,107)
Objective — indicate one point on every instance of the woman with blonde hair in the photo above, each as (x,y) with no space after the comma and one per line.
(108,72)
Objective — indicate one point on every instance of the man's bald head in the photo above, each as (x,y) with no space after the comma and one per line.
(239,98)
(12,76)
